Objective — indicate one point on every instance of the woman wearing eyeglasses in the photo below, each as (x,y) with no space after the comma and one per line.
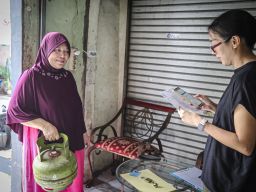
(46,102)
(230,155)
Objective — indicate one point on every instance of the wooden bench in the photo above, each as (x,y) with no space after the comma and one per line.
(141,140)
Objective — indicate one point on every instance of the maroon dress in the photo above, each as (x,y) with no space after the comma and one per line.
(48,93)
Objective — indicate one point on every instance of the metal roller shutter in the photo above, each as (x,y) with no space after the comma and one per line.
(169,47)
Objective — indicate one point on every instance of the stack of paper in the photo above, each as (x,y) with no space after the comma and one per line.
(192,176)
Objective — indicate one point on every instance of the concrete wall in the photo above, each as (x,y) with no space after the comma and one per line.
(30,32)
(5,23)
(100,79)
(69,20)
(105,73)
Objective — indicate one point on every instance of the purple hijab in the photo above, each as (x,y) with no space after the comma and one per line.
(48,93)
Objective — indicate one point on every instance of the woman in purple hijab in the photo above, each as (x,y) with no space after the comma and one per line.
(46,101)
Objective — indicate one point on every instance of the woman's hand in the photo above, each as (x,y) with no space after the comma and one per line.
(208,105)
(87,139)
(189,118)
(50,132)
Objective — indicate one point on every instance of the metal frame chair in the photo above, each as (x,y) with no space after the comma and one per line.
(142,133)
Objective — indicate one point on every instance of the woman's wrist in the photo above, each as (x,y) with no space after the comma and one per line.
(201,125)
(197,121)
(45,125)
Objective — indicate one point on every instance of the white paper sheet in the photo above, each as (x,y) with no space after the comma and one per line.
(179,98)
(143,185)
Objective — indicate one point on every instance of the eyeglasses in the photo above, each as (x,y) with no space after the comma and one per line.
(218,44)
(59,51)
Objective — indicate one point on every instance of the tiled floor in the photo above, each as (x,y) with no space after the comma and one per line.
(106,182)
(5,179)
(5,182)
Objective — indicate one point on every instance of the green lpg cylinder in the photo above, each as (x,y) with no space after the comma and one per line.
(55,166)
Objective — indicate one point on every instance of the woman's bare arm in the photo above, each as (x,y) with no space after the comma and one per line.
(49,131)
(244,138)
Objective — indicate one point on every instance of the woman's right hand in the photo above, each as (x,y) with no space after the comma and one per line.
(50,132)
(208,105)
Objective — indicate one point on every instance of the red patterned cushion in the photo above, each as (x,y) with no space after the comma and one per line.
(124,146)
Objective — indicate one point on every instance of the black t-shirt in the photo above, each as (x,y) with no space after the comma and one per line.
(224,169)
